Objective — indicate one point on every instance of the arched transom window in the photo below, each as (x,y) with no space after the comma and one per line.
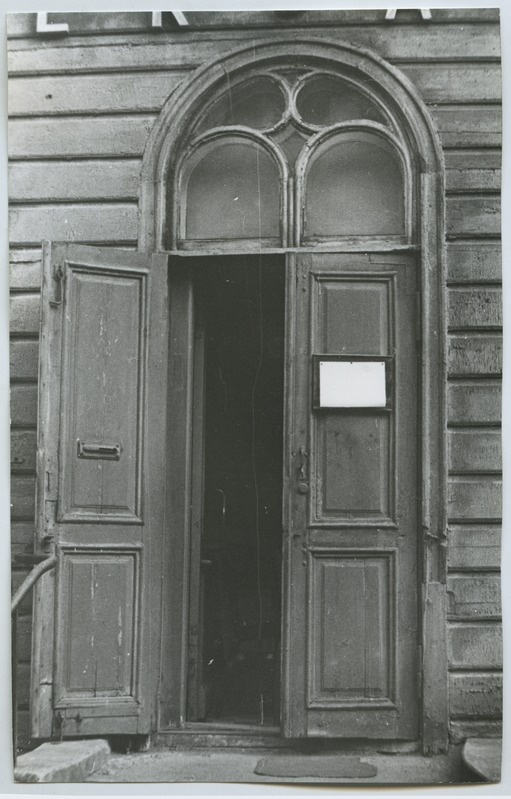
(292,157)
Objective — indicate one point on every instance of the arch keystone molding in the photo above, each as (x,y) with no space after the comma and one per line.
(408,112)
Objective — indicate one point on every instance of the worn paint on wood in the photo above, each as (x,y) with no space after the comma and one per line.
(475,695)
(23,497)
(474,402)
(475,595)
(475,450)
(23,451)
(23,359)
(23,405)
(25,313)
(473,216)
(80,180)
(473,180)
(95,223)
(474,261)
(475,645)
(69,94)
(470,82)
(469,125)
(79,137)
(473,547)
(472,498)
(475,355)
(461,729)
(474,307)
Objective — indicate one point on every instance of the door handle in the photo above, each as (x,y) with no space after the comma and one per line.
(98,450)
(303,486)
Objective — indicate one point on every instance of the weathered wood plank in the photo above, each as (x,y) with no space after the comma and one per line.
(474,646)
(469,126)
(25,313)
(474,307)
(473,596)
(461,729)
(23,405)
(22,497)
(80,223)
(475,355)
(473,216)
(92,94)
(24,275)
(23,360)
(23,729)
(474,261)
(470,82)
(470,180)
(22,534)
(475,450)
(23,684)
(473,547)
(79,137)
(23,451)
(474,402)
(23,24)
(190,48)
(475,695)
(473,498)
(79,180)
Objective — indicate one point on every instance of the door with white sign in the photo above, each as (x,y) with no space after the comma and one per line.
(351,498)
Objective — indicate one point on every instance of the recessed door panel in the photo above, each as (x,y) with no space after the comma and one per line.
(350,655)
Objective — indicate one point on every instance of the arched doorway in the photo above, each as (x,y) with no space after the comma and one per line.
(319,161)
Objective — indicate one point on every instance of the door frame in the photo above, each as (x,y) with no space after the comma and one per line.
(395,92)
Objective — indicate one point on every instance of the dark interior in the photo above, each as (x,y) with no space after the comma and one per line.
(241,304)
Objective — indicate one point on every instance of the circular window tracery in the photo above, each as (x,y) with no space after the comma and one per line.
(353,186)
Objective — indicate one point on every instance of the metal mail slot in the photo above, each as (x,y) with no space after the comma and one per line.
(99,450)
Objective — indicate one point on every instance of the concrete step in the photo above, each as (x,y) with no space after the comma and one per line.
(483,756)
(65,761)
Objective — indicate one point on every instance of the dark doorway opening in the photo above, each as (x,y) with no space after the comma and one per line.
(239,380)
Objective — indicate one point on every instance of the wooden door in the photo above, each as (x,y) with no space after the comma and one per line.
(351,499)
(101,483)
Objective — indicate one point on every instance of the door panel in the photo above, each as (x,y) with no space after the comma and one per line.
(101,483)
(352,504)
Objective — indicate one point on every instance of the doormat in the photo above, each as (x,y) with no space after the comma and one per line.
(324,767)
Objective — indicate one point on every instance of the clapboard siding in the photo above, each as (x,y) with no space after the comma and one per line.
(23,497)
(23,405)
(94,223)
(401,42)
(93,94)
(23,359)
(25,312)
(23,451)
(473,547)
(469,126)
(470,180)
(474,402)
(81,180)
(79,137)
(461,729)
(22,534)
(475,354)
(474,596)
(475,451)
(24,271)
(474,261)
(24,629)
(473,498)
(147,91)
(475,695)
(475,645)
(474,307)
(473,216)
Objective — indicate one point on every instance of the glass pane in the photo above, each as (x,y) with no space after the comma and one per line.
(352,384)
(257,103)
(327,100)
(354,188)
(233,192)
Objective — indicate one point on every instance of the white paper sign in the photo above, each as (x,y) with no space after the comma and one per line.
(352,384)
